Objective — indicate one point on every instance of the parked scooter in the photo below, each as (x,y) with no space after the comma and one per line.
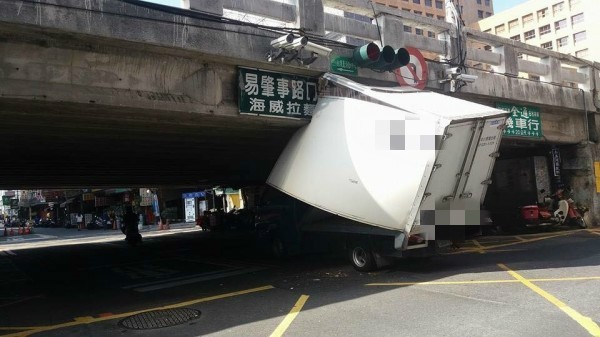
(558,209)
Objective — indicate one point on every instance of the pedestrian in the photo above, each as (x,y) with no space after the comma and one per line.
(79,221)
(130,221)
(113,219)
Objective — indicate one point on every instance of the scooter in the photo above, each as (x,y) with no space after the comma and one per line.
(566,212)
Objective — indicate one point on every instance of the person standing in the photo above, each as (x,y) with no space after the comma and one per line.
(79,221)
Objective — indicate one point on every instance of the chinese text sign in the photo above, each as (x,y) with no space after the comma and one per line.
(523,121)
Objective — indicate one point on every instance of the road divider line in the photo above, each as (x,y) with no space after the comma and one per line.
(480,248)
(471,250)
(284,325)
(520,238)
(431,283)
(586,322)
(38,329)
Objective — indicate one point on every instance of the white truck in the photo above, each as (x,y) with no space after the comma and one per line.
(388,169)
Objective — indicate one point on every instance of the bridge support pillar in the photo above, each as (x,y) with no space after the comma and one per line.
(509,62)
(390,26)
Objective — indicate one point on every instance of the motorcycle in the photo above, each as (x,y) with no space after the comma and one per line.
(558,209)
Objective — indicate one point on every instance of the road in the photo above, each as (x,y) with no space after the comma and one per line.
(206,284)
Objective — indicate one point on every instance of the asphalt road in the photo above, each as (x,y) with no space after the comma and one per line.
(531,285)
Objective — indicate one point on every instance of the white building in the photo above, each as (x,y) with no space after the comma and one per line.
(566,26)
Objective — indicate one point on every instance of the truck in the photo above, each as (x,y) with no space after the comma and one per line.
(389,172)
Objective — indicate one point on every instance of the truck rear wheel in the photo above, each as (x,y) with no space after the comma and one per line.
(362,258)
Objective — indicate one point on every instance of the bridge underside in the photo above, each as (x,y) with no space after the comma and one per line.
(47,145)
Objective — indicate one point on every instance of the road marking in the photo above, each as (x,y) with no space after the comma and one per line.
(7,253)
(592,231)
(520,238)
(471,250)
(584,321)
(282,327)
(481,249)
(89,320)
(427,283)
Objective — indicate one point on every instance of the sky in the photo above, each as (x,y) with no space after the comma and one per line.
(499,5)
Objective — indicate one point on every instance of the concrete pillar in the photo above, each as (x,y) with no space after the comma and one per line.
(208,6)
(311,16)
(554,72)
(392,30)
(509,62)
(589,73)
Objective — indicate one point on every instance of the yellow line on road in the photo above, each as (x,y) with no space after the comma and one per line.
(586,322)
(481,249)
(429,283)
(282,327)
(89,320)
(520,238)
(471,250)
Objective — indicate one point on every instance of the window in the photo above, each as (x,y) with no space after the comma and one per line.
(547,45)
(408,29)
(441,18)
(516,37)
(431,35)
(562,24)
(578,37)
(529,35)
(544,30)
(513,24)
(574,3)
(429,15)
(406,9)
(429,3)
(487,3)
(542,13)
(575,19)
(489,31)
(520,55)
(534,77)
(418,13)
(439,4)
(559,7)
(393,6)
(581,53)
(418,31)
(416,1)
(479,2)
(488,14)
(480,14)
(500,29)
(527,19)
(563,41)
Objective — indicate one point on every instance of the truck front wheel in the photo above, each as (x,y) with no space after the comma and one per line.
(362,258)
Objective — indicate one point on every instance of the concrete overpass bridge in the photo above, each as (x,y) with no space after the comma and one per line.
(123,92)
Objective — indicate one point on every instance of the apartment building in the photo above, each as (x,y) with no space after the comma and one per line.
(566,26)
(471,10)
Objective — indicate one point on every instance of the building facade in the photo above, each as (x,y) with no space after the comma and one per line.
(566,26)
(471,10)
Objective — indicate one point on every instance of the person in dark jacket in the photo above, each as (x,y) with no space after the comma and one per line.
(130,221)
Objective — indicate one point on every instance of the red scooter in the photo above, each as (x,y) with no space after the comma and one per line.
(558,209)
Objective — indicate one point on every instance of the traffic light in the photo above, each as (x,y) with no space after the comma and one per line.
(381,59)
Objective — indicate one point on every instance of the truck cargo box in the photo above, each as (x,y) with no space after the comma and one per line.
(395,159)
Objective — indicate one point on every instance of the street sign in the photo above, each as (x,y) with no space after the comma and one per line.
(274,94)
(523,121)
(193,195)
(343,65)
(415,73)
(14,203)
(6,200)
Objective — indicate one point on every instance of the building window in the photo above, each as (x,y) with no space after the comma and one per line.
(534,77)
(562,24)
(544,30)
(520,55)
(479,2)
(529,35)
(408,29)
(418,31)
(480,14)
(563,41)
(574,3)
(418,13)
(489,31)
(500,29)
(547,45)
(516,37)
(527,19)
(575,19)
(406,9)
(559,7)
(417,1)
(542,13)
(513,24)
(439,4)
(487,3)
(429,15)
(441,18)
(488,14)
(578,37)
(431,35)
(429,3)
(581,53)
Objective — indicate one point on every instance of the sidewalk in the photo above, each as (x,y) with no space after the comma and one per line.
(41,233)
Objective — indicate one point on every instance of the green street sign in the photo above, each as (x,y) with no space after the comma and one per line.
(275,94)
(523,121)
(6,200)
(343,65)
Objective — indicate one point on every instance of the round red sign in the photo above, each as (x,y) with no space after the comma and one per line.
(415,73)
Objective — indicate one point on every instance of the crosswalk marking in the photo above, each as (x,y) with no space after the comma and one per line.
(7,253)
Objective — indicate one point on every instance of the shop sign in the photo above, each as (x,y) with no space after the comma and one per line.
(523,121)
(555,162)
(6,200)
(193,195)
(88,197)
(14,203)
(190,210)
(275,94)
(343,65)
(145,197)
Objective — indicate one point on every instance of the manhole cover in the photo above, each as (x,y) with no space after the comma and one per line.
(159,319)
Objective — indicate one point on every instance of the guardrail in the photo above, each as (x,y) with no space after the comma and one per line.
(484,51)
